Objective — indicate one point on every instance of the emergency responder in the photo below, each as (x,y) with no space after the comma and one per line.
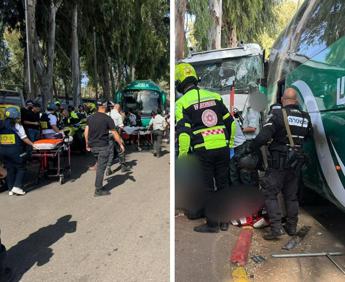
(203,126)
(97,141)
(12,152)
(114,112)
(74,118)
(49,122)
(285,163)
(158,124)
(81,112)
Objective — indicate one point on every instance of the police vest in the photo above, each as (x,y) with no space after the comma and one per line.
(300,127)
(204,113)
(45,121)
(9,137)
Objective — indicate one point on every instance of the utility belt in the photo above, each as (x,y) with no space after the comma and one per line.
(292,159)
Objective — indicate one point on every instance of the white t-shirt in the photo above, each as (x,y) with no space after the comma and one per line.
(239,136)
(20,131)
(251,119)
(158,123)
(52,121)
(117,118)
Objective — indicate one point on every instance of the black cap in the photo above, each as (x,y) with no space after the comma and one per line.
(102,103)
(29,102)
(36,105)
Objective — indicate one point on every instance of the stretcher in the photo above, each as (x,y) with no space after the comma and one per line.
(142,136)
(55,158)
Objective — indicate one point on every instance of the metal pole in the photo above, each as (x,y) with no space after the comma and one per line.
(336,264)
(307,255)
(95,60)
(28,48)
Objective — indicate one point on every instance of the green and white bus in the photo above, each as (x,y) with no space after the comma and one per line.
(309,56)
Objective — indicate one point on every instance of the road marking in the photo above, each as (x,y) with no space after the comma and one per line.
(239,274)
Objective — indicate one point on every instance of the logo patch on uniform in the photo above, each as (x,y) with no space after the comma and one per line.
(7,139)
(209,118)
(298,121)
(203,105)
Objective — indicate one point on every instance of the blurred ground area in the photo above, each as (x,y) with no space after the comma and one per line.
(64,233)
(205,257)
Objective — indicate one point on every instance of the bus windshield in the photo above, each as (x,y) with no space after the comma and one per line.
(144,101)
(219,76)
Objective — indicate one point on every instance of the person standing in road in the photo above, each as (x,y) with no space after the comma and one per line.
(203,126)
(12,140)
(158,124)
(116,116)
(49,122)
(285,164)
(97,141)
(31,121)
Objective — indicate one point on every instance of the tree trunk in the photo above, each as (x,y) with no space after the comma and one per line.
(45,71)
(75,59)
(215,31)
(232,37)
(105,81)
(179,28)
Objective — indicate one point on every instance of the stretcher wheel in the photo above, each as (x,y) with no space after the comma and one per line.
(62,179)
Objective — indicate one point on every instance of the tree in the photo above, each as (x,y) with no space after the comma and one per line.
(242,20)
(215,30)
(180,12)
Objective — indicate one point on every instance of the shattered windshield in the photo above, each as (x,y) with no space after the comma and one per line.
(145,101)
(219,76)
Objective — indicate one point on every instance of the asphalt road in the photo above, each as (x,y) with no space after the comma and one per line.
(64,233)
(205,257)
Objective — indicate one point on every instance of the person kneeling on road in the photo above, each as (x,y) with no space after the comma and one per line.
(12,151)
(97,141)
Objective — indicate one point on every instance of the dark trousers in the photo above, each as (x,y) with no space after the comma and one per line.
(274,182)
(111,149)
(102,155)
(241,175)
(15,166)
(215,168)
(33,134)
(157,141)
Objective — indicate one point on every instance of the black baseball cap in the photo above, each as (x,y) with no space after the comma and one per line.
(102,103)
(29,102)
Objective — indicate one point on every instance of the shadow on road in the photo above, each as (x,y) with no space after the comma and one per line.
(35,249)
(326,213)
(117,180)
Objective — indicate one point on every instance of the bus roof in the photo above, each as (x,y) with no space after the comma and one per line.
(142,85)
(250,49)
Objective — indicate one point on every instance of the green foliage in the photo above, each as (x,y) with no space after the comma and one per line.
(203,19)
(283,13)
(249,18)
(131,34)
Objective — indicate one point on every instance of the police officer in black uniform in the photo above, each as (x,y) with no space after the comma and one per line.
(285,161)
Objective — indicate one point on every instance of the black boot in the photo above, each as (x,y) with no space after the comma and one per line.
(208,227)
(274,234)
(291,230)
(224,226)
(101,192)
